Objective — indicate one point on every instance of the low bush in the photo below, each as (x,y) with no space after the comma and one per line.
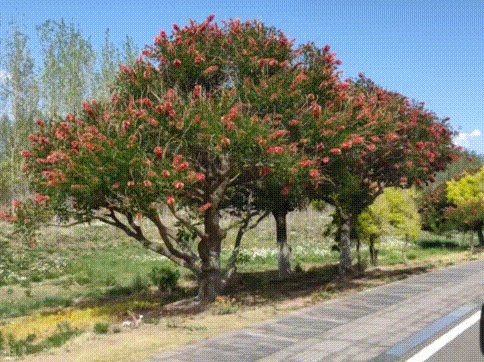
(165,277)
(430,244)
(101,328)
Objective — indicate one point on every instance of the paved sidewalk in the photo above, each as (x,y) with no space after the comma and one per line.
(385,323)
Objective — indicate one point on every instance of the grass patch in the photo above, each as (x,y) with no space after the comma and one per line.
(28,345)
(101,328)
(438,243)
(18,308)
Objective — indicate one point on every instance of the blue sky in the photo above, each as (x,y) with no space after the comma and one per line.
(432,51)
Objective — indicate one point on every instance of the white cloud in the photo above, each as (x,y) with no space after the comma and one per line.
(471,140)
(3,75)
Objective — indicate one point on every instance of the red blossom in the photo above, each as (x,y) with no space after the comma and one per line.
(170,200)
(326,160)
(275,150)
(41,200)
(16,203)
(420,145)
(205,207)
(200,177)
(306,163)
(294,122)
(265,171)
(165,174)
(225,141)
(335,151)
(40,123)
(8,218)
(314,173)
(316,109)
(278,134)
(177,63)
(210,70)
(371,147)
(147,183)
(197,91)
(178,185)
(87,108)
(346,145)
(286,190)
(26,154)
(183,166)
(158,151)
(358,141)
(392,137)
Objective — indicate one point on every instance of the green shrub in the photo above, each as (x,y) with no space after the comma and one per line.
(138,284)
(411,256)
(83,278)
(431,244)
(164,277)
(36,278)
(63,334)
(27,346)
(101,328)
(109,280)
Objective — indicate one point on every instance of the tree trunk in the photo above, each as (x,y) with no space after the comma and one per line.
(480,236)
(358,255)
(345,261)
(373,257)
(210,279)
(284,248)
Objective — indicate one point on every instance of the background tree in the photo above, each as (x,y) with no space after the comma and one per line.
(20,93)
(371,228)
(68,70)
(369,139)
(288,184)
(433,201)
(109,67)
(467,194)
(393,213)
(130,51)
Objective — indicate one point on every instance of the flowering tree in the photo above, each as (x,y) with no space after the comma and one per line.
(288,182)
(185,130)
(467,197)
(369,139)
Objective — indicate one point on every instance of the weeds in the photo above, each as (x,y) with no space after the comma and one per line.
(26,346)
(224,305)
(101,328)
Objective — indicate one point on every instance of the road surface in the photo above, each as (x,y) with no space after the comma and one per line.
(464,348)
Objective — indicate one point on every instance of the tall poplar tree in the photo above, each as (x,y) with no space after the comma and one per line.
(68,70)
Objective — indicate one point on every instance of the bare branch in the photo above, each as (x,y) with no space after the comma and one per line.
(189,257)
(186,223)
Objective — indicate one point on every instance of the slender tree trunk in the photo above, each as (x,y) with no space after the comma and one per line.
(358,255)
(284,248)
(373,256)
(345,261)
(471,241)
(480,236)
